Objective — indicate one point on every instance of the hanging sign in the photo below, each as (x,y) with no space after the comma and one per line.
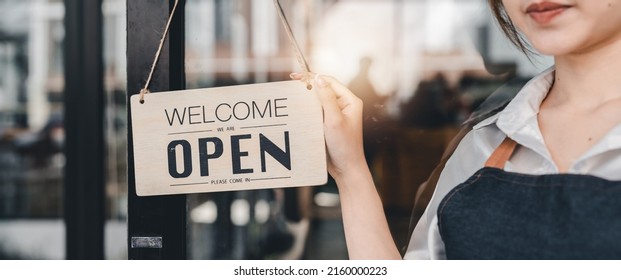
(230,138)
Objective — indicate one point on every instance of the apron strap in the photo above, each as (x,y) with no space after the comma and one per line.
(502,154)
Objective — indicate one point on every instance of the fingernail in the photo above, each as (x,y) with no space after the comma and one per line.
(293,75)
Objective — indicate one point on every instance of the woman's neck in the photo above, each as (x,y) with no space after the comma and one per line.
(589,79)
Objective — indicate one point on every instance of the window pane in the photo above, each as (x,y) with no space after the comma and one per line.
(421,68)
(31,130)
(114,40)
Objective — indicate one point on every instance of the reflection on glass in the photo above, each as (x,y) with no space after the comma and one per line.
(421,67)
(114,40)
(240,42)
(31,130)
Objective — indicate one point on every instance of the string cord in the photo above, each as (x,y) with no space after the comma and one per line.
(299,56)
(145,89)
(294,43)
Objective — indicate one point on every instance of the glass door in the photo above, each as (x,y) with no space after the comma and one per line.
(31,130)
(421,68)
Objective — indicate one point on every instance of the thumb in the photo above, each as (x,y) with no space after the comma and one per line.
(327,97)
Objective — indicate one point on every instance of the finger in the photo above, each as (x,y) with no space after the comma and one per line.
(347,101)
(296,76)
(332,111)
(302,76)
(340,90)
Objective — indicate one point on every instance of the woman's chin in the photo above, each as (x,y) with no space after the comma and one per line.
(558,48)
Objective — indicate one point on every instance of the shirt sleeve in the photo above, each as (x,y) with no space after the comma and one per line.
(470,156)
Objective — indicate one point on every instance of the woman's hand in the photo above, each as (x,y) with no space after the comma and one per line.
(366,230)
(342,125)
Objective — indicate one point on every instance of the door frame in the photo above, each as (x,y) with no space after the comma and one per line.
(156,224)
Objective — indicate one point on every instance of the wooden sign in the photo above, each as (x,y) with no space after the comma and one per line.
(230,138)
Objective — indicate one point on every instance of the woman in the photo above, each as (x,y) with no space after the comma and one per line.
(536,180)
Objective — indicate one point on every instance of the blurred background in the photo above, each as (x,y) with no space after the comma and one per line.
(421,67)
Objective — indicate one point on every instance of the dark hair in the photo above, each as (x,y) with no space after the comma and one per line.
(498,9)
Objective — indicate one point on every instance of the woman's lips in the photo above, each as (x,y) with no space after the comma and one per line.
(543,13)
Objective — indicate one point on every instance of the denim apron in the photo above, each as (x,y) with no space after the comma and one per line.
(503,215)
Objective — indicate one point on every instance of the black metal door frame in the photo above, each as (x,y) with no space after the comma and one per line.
(84,176)
(156,225)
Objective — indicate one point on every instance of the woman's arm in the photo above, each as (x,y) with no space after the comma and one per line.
(366,230)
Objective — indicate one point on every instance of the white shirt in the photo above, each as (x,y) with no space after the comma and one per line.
(519,122)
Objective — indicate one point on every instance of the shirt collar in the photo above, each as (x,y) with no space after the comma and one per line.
(519,119)
(523,109)
(611,141)
(523,106)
